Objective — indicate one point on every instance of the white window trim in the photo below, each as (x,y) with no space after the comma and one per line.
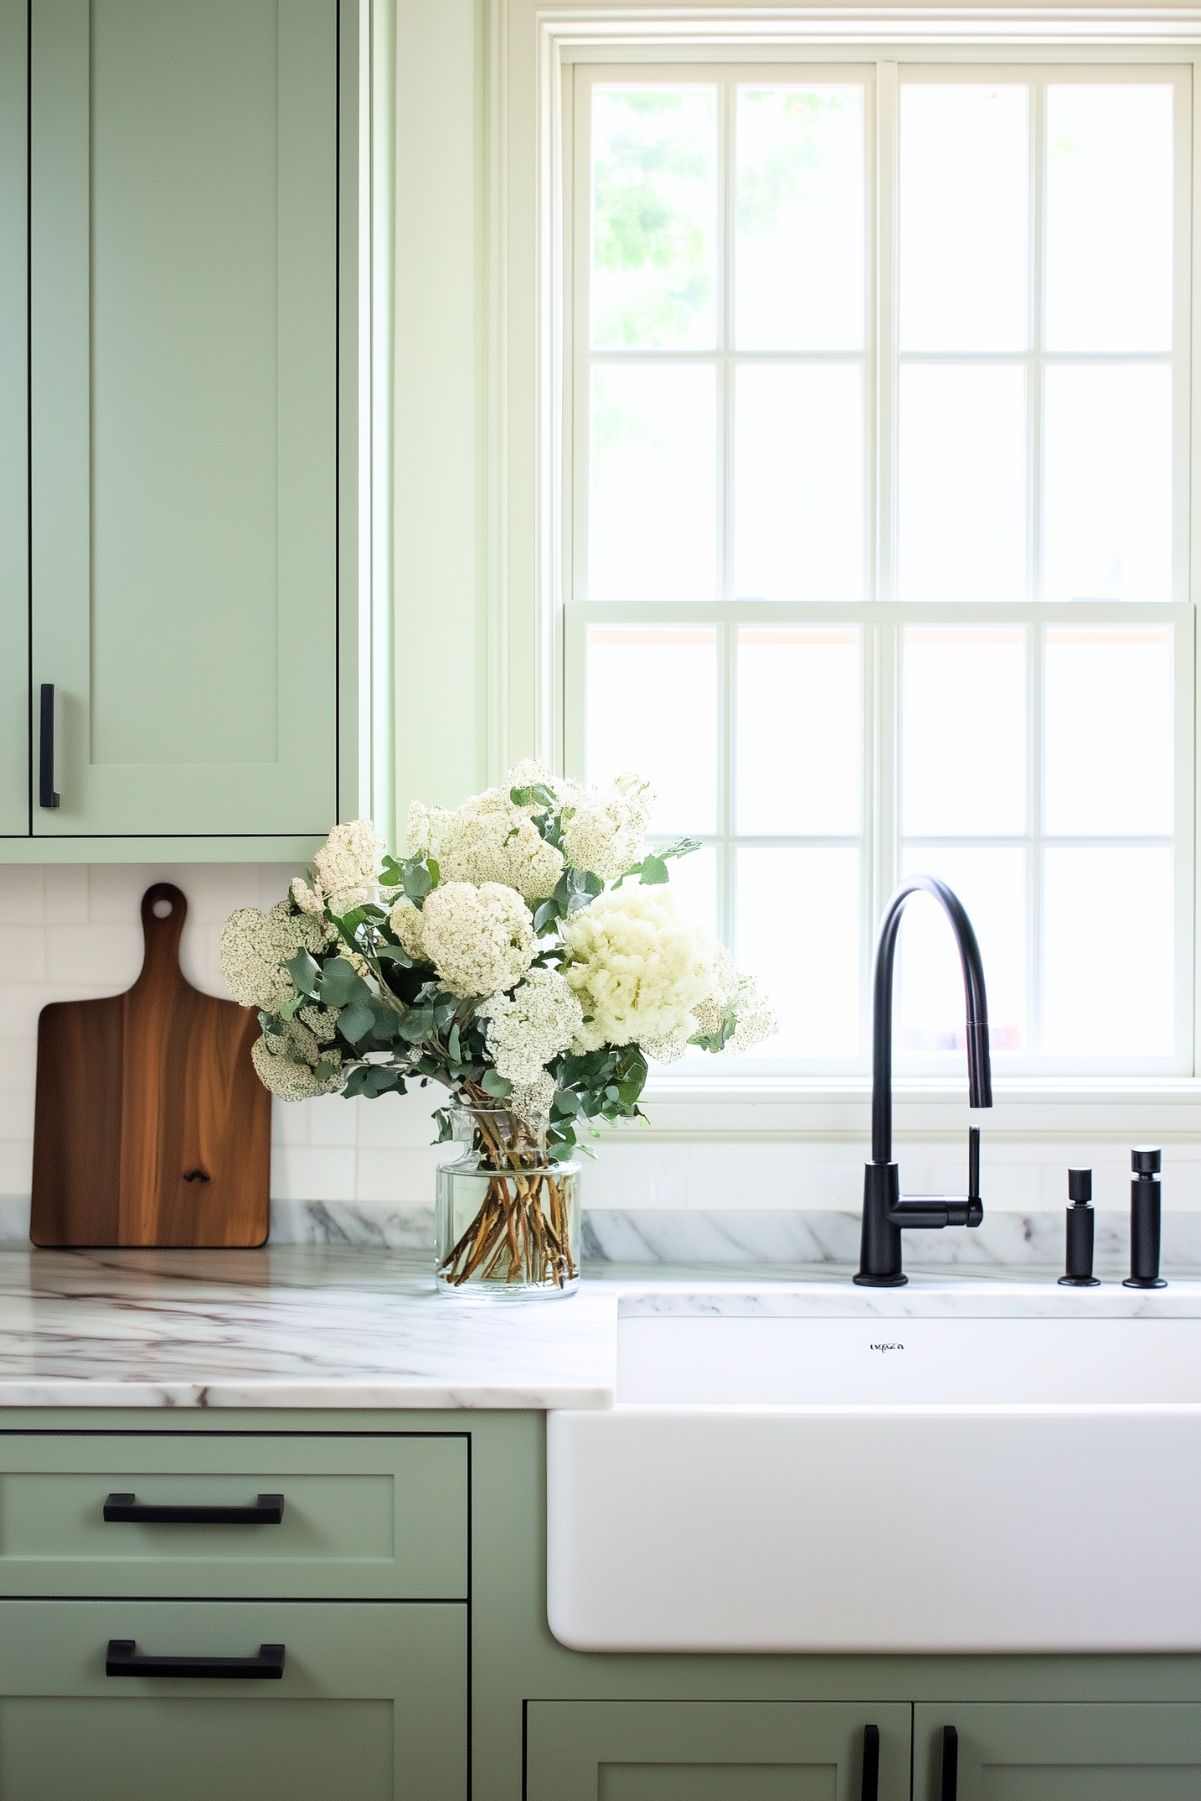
(530,48)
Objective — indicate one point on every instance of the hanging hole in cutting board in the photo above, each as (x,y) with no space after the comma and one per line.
(162,909)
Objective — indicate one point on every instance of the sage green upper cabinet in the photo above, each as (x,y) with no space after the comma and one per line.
(186,413)
(14,420)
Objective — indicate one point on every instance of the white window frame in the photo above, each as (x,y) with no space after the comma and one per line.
(533,51)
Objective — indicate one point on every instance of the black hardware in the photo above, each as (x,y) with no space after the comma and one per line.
(1145,1208)
(869,1788)
(1080,1224)
(267,1510)
(46,795)
(885,1214)
(950,1765)
(123,1659)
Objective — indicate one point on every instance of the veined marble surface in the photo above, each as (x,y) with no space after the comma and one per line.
(299,1326)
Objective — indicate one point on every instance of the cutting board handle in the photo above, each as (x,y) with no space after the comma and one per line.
(164,910)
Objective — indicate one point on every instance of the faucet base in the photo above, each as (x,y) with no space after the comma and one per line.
(862,1281)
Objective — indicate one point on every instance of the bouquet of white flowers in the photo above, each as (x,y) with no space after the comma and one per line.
(524,952)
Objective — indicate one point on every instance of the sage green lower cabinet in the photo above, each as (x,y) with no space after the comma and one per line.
(371,1706)
(713,1750)
(1059,1752)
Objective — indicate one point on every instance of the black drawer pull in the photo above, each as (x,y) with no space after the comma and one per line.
(123,1659)
(267,1510)
(950,1764)
(869,1788)
(46,794)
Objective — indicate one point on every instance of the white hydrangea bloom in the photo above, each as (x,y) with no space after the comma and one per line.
(487,839)
(539,1022)
(288,1078)
(637,966)
(348,863)
(605,828)
(479,939)
(309,900)
(255,946)
(405,923)
(755,1017)
(531,1101)
(321,1021)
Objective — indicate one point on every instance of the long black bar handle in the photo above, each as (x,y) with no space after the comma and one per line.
(266,1510)
(46,793)
(950,1765)
(869,1788)
(122,1658)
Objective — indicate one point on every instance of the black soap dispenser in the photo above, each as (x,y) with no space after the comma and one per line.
(1145,1161)
(1080,1222)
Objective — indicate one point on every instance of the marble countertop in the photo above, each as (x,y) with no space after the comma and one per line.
(303,1326)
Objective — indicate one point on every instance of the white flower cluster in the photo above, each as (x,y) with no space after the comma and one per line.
(255,946)
(637,967)
(285,1063)
(478,939)
(729,991)
(488,839)
(346,869)
(531,1101)
(405,923)
(540,1020)
(604,828)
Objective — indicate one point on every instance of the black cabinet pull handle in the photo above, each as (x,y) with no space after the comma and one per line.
(869,1788)
(950,1765)
(123,1659)
(46,795)
(267,1510)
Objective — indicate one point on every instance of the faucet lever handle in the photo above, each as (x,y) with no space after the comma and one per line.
(973,1163)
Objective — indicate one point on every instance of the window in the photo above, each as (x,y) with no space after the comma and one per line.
(876,529)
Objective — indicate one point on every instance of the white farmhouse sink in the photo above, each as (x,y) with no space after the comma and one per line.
(828,1473)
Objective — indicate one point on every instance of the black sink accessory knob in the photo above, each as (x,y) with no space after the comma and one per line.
(1080,1221)
(1146,1162)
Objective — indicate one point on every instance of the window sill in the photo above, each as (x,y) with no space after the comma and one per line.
(1104,1108)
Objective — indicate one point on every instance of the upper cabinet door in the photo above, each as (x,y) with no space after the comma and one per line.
(14,428)
(184,393)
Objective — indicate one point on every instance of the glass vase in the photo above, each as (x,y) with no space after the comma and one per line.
(507,1221)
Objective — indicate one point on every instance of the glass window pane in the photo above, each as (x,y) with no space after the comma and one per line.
(992,886)
(654,214)
(652,509)
(798,758)
(962,487)
(1108,957)
(652,708)
(694,885)
(963,730)
(1108,483)
(799,262)
(1109,216)
(1109,730)
(798,483)
(963,236)
(798,930)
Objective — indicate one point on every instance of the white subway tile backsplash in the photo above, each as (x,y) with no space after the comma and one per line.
(301,1172)
(104,958)
(22,896)
(16,1165)
(23,955)
(66,893)
(16,1115)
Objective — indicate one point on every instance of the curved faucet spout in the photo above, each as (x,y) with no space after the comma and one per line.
(979,1065)
(885,1214)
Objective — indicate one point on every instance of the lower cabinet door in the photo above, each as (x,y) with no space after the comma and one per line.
(371,1704)
(1074,1751)
(716,1751)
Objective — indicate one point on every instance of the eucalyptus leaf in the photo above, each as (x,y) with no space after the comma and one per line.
(304,971)
(356,1020)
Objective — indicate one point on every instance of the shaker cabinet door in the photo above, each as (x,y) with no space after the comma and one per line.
(371,1704)
(716,1751)
(184,391)
(1074,1751)
(14,430)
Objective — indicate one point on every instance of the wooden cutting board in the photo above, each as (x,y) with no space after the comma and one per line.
(151,1126)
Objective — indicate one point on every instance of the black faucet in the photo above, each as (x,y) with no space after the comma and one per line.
(885,1214)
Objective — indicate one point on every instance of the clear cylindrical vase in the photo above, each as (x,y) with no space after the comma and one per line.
(507,1221)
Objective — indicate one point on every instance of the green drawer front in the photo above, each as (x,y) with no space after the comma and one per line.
(372,1704)
(363,1518)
